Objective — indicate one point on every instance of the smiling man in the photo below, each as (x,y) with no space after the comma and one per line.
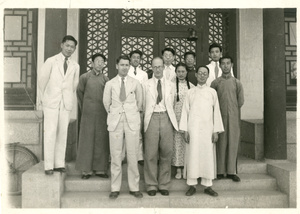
(57,84)
(201,122)
(122,100)
(231,98)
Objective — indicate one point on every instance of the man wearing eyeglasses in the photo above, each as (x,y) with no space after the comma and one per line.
(159,123)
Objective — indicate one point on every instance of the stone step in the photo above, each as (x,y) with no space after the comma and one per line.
(177,199)
(245,165)
(248,182)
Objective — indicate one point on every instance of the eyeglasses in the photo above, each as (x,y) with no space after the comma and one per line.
(157,67)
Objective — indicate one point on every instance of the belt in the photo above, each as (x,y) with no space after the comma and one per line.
(160,112)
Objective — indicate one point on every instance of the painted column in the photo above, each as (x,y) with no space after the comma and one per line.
(250,61)
(274,84)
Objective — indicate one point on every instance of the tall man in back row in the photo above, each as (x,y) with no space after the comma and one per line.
(57,82)
(159,123)
(231,98)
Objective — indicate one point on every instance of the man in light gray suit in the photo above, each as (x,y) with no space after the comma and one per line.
(122,100)
(159,123)
(57,82)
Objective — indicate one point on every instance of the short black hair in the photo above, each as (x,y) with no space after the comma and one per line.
(136,52)
(215,45)
(69,37)
(124,57)
(180,64)
(202,66)
(226,57)
(189,53)
(98,54)
(168,49)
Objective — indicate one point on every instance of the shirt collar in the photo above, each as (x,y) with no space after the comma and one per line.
(214,63)
(156,80)
(120,78)
(202,86)
(63,57)
(96,73)
(226,76)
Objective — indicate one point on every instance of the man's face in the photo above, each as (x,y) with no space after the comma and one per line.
(68,48)
(226,66)
(202,76)
(135,59)
(190,61)
(98,64)
(123,67)
(215,54)
(158,68)
(168,58)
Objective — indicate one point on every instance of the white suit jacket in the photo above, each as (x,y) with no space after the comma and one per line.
(150,97)
(212,76)
(131,106)
(54,85)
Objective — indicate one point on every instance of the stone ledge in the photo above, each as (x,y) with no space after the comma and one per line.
(286,177)
(40,190)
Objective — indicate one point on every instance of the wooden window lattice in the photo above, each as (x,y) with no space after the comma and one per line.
(97,35)
(180,45)
(137,16)
(144,44)
(180,17)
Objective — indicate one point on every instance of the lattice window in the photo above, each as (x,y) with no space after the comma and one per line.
(291,50)
(180,45)
(97,35)
(180,17)
(137,16)
(144,44)
(18,51)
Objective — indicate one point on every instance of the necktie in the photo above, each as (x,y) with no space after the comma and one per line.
(122,92)
(66,65)
(159,96)
(134,70)
(216,70)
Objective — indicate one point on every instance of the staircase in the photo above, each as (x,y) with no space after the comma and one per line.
(256,190)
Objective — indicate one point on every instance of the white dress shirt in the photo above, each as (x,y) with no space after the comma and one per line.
(160,106)
(140,75)
(211,66)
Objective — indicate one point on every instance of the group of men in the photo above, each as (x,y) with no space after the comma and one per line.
(140,108)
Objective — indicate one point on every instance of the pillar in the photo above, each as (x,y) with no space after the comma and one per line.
(274,84)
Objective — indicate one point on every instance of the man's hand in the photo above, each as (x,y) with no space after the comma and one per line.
(215,137)
(186,137)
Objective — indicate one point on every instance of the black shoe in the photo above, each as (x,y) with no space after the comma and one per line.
(49,172)
(102,175)
(141,162)
(191,191)
(210,192)
(151,192)
(60,169)
(164,192)
(87,176)
(220,176)
(113,195)
(136,194)
(235,178)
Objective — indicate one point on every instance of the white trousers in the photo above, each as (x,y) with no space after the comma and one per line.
(131,142)
(56,123)
(204,181)
(140,149)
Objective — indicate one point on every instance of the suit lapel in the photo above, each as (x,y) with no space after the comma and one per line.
(128,85)
(60,67)
(152,88)
(70,68)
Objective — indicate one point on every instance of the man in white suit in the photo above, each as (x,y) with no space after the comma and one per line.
(58,80)
(159,123)
(215,53)
(122,100)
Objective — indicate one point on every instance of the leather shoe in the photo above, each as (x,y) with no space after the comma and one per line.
(210,192)
(113,195)
(220,176)
(151,192)
(164,192)
(235,178)
(102,175)
(141,162)
(60,169)
(87,176)
(136,194)
(191,191)
(49,172)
